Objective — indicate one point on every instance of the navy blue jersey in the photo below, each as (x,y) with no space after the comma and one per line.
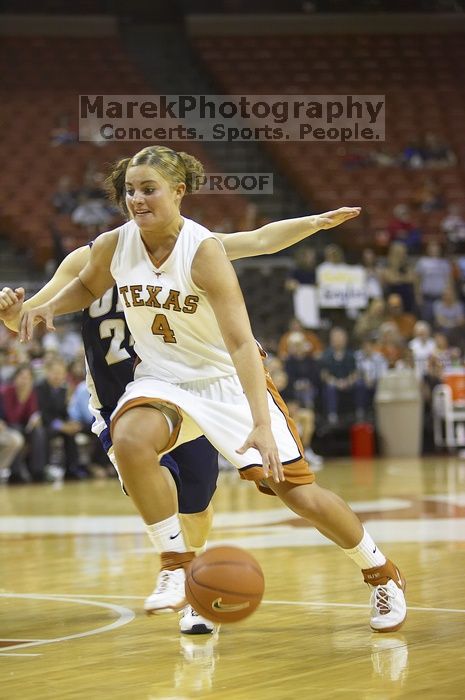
(109,349)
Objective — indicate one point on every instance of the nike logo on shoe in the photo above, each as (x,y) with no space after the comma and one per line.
(228,607)
(173,537)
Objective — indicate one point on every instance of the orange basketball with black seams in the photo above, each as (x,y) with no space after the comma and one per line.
(225,584)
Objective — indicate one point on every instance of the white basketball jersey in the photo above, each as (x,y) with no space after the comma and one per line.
(177,337)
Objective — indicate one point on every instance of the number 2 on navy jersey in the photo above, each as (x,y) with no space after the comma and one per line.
(114,328)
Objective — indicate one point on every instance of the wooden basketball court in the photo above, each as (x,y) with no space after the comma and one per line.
(76,565)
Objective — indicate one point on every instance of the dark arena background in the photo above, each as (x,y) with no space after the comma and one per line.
(363,325)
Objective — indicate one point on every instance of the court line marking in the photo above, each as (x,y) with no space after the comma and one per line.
(20,640)
(6,654)
(125,615)
(132,524)
(304,603)
(357,605)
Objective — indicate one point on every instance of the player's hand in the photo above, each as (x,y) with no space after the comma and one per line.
(11,303)
(330,219)
(41,314)
(261,438)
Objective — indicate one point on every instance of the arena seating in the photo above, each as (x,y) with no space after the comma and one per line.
(41,80)
(421,76)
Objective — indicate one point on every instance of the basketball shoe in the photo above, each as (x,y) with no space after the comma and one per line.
(190,622)
(388,607)
(169,593)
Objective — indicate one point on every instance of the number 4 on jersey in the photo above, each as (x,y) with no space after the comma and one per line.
(160,326)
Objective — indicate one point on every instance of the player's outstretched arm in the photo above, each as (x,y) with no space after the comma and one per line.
(70,268)
(279,235)
(91,283)
(12,302)
(212,271)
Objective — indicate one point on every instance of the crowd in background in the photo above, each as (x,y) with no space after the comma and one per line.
(413,317)
(45,421)
(428,151)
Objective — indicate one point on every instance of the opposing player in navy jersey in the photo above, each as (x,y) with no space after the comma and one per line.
(110,358)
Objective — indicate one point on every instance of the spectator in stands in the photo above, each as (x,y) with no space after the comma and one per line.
(11,444)
(434,274)
(433,375)
(304,417)
(52,392)
(93,186)
(449,315)
(437,154)
(393,346)
(371,365)
(76,371)
(63,133)
(404,321)
(333,262)
(453,225)
(304,271)
(412,155)
(383,158)
(333,255)
(428,196)
(36,355)
(422,347)
(6,369)
(303,371)
(302,284)
(446,355)
(65,341)
(402,229)
(65,198)
(92,214)
(313,344)
(78,410)
(373,274)
(399,276)
(459,273)
(338,374)
(21,412)
(18,354)
(370,320)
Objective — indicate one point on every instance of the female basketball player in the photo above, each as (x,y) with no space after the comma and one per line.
(200,372)
(110,359)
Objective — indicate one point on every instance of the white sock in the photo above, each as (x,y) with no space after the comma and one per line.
(166,536)
(200,550)
(366,554)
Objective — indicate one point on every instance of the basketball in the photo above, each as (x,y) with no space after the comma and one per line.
(225,584)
